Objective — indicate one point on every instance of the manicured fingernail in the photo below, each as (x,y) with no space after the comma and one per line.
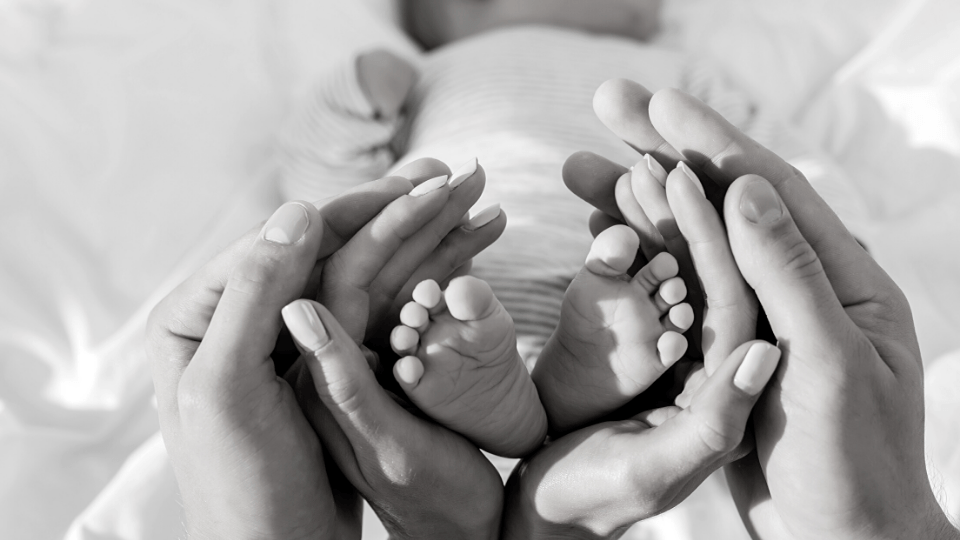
(692,176)
(409,370)
(305,325)
(656,169)
(427,293)
(429,186)
(465,171)
(287,225)
(485,216)
(757,368)
(760,203)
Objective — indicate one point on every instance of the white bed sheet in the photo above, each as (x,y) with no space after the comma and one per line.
(129,129)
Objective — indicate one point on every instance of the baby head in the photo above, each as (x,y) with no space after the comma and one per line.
(436,22)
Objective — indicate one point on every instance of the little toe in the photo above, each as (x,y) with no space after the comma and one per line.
(428,294)
(404,340)
(469,298)
(415,316)
(661,268)
(679,318)
(672,292)
(671,347)
(613,251)
(408,371)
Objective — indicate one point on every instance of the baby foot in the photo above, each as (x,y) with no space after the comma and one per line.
(466,372)
(616,335)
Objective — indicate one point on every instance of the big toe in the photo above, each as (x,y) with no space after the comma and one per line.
(613,251)
(469,298)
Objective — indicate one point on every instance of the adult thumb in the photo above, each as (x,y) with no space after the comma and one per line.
(341,373)
(785,271)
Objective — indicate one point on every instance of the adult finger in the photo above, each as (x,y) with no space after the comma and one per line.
(454,254)
(724,153)
(246,322)
(352,270)
(636,216)
(593,178)
(701,438)
(623,106)
(347,213)
(730,316)
(788,276)
(466,186)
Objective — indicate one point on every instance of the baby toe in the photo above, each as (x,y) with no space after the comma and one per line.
(408,371)
(414,315)
(469,298)
(661,268)
(404,340)
(613,251)
(672,292)
(679,318)
(428,294)
(671,347)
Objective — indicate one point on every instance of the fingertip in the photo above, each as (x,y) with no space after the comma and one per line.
(423,169)
(757,368)
(305,325)
(408,371)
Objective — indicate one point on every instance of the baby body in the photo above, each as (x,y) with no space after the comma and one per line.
(519,100)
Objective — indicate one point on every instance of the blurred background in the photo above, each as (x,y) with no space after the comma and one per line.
(136,140)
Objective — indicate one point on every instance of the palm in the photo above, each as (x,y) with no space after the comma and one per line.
(804,445)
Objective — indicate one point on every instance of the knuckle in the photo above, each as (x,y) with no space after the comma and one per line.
(254,275)
(719,440)
(798,257)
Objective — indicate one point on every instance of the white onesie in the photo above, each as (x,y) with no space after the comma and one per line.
(520,100)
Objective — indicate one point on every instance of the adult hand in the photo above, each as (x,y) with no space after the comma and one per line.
(423,480)
(840,431)
(598,481)
(656,459)
(248,463)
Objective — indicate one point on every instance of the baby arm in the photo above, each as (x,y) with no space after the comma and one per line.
(340,135)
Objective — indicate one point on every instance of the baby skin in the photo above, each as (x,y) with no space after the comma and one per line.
(464,370)
(617,334)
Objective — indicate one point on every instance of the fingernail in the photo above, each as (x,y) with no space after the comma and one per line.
(287,225)
(305,325)
(430,185)
(656,169)
(757,368)
(465,171)
(485,216)
(760,203)
(692,176)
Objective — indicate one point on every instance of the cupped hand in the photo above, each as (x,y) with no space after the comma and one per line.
(840,431)
(598,481)
(423,480)
(247,460)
